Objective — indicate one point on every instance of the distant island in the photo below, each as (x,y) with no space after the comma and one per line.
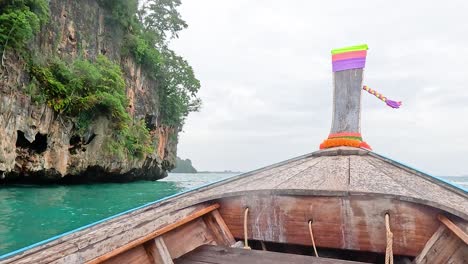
(184,166)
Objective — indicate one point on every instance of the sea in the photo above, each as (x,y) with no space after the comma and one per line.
(32,213)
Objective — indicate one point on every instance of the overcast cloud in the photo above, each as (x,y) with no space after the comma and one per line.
(265,69)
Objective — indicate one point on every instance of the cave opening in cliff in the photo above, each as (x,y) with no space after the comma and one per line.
(39,144)
(151,122)
(75,143)
(74,140)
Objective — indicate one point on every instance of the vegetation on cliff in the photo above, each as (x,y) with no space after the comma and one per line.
(148,32)
(184,166)
(86,88)
(19,21)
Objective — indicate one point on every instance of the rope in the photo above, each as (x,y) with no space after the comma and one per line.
(389,249)
(391,103)
(375,93)
(246,240)
(312,238)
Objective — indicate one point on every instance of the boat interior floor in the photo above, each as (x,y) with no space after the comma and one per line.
(224,255)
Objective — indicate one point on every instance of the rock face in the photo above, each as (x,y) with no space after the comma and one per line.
(38,144)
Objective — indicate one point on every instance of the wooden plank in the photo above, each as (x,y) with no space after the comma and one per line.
(225,255)
(441,250)
(274,180)
(331,173)
(151,251)
(460,256)
(162,250)
(347,101)
(371,175)
(340,151)
(134,255)
(454,228)
(430,243)
(354,223)
(95,241)
(416,173)
(157,251)
(188,237)
(218,227)
(154,234)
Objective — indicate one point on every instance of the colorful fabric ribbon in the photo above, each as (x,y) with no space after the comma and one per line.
(349,139)
(391,103)
(353,57)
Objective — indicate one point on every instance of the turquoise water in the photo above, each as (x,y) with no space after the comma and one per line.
(32,213)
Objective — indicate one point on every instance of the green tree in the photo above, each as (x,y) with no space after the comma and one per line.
(162,18)
(148,43)
(179,89)
(19,21)
(122,11)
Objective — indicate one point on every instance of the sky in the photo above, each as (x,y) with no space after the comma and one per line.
(265,71)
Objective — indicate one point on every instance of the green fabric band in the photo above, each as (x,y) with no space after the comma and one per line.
(349,137)
(350,48)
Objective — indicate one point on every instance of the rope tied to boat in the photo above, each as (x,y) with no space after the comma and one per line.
(246,239)
(389,249)
(312,238)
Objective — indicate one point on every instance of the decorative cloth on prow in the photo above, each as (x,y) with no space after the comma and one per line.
(347,58)
(353,57)
(348,139)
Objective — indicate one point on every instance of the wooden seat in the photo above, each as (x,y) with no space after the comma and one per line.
(225,255)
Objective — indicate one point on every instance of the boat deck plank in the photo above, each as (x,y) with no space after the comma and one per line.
(225,255)
(331,174)
(371,175)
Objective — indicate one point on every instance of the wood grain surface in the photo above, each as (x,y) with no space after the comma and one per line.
(225,255)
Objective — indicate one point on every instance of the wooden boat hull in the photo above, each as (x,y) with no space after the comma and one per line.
(347,222)
(346,192)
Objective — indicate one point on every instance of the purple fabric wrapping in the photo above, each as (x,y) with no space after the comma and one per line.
(355,63)
(393,104)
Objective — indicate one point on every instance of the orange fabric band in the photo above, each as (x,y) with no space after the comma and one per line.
(339,142)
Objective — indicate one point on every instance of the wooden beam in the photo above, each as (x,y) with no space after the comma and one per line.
(188,237)
(454,228)
(157,251)
(152,252)
(135,255)
(443,247)
(218,227)
(347,101)
(154,234)
(227,255)
(162,250)
(430,244)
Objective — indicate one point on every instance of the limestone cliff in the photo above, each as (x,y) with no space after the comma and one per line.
(38,144)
